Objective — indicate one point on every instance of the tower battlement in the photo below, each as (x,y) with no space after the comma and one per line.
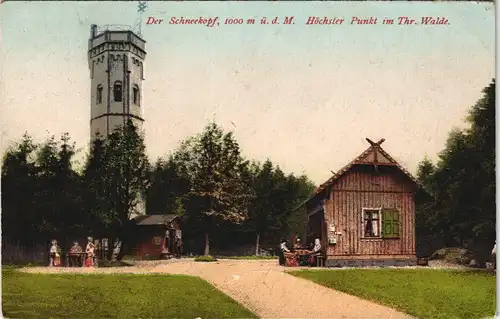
(116,62)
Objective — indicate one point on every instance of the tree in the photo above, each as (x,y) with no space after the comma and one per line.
(116,178)
(263,212)
(300,188)
(58,194)
(463,181)
(126,176)
(100,216)
(271,213)
(19,191)
(168,187)
(218,189)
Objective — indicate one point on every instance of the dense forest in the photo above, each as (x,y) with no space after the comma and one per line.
(462,182)
(225,199)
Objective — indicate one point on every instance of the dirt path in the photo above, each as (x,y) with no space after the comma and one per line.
(264,288)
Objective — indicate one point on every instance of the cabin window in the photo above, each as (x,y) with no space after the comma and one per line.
(99,94)
(117,91)
(380,223)
(136,97)
(157,240)
(390,223)
(371,223)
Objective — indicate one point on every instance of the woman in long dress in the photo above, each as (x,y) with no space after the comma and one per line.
(55,254)
(89,260)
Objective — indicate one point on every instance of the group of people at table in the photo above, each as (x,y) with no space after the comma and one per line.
(298,255)
(76,256)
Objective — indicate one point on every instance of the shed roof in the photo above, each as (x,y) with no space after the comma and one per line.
(374,155)
(161,219)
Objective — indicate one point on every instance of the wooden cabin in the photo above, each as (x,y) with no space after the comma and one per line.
(156,236)
(365,213)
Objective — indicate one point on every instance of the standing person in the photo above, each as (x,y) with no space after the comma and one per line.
(178,244)
(55,254)
(89,250)
(283,249)
(494,255)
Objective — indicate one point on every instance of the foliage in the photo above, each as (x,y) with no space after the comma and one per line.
(463,182)
(462,294)
(219,192)
(113,263)
(42,194)
(455,255)
(205,258)
(276,197)
(168,189)
(114,296)
(116,180)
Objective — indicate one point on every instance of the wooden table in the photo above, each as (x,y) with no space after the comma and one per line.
(303,256)
(82,256)
(298,257)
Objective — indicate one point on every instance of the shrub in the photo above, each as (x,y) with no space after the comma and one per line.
(114,263)
(205,259)
(460,256)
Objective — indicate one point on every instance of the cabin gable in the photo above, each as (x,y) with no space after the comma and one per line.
(365,178)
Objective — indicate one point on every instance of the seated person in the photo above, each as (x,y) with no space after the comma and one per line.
(297,244)
(75,255)
(315,251)
(317,246)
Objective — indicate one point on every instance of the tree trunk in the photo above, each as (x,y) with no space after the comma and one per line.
(122,251)
(257,244)
(111,248)
(207,245)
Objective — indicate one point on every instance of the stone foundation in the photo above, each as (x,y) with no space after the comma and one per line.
(370,262)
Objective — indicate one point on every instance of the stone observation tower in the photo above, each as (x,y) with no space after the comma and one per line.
(116,61)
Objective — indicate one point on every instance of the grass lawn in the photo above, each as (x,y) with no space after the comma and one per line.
(113,296)
(424,293)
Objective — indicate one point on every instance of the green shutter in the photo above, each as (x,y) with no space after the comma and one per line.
(395,223)
(390,223)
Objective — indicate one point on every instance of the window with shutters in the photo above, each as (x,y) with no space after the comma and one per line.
(380,223)
(371,222)
(390,223)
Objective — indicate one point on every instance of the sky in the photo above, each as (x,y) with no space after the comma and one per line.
(304,96)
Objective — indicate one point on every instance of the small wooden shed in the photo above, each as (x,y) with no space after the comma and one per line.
(157,235)
(365,213)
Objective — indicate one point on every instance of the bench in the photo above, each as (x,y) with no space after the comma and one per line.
(320,261)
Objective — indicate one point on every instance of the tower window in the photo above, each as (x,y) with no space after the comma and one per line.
(136,96)
(117,91)
(99,94)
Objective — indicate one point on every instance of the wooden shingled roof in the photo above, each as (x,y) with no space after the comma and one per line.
(157,219)
(374,155)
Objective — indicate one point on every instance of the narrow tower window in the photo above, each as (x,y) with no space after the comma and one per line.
(136,96)
(99,94)
(117,90)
